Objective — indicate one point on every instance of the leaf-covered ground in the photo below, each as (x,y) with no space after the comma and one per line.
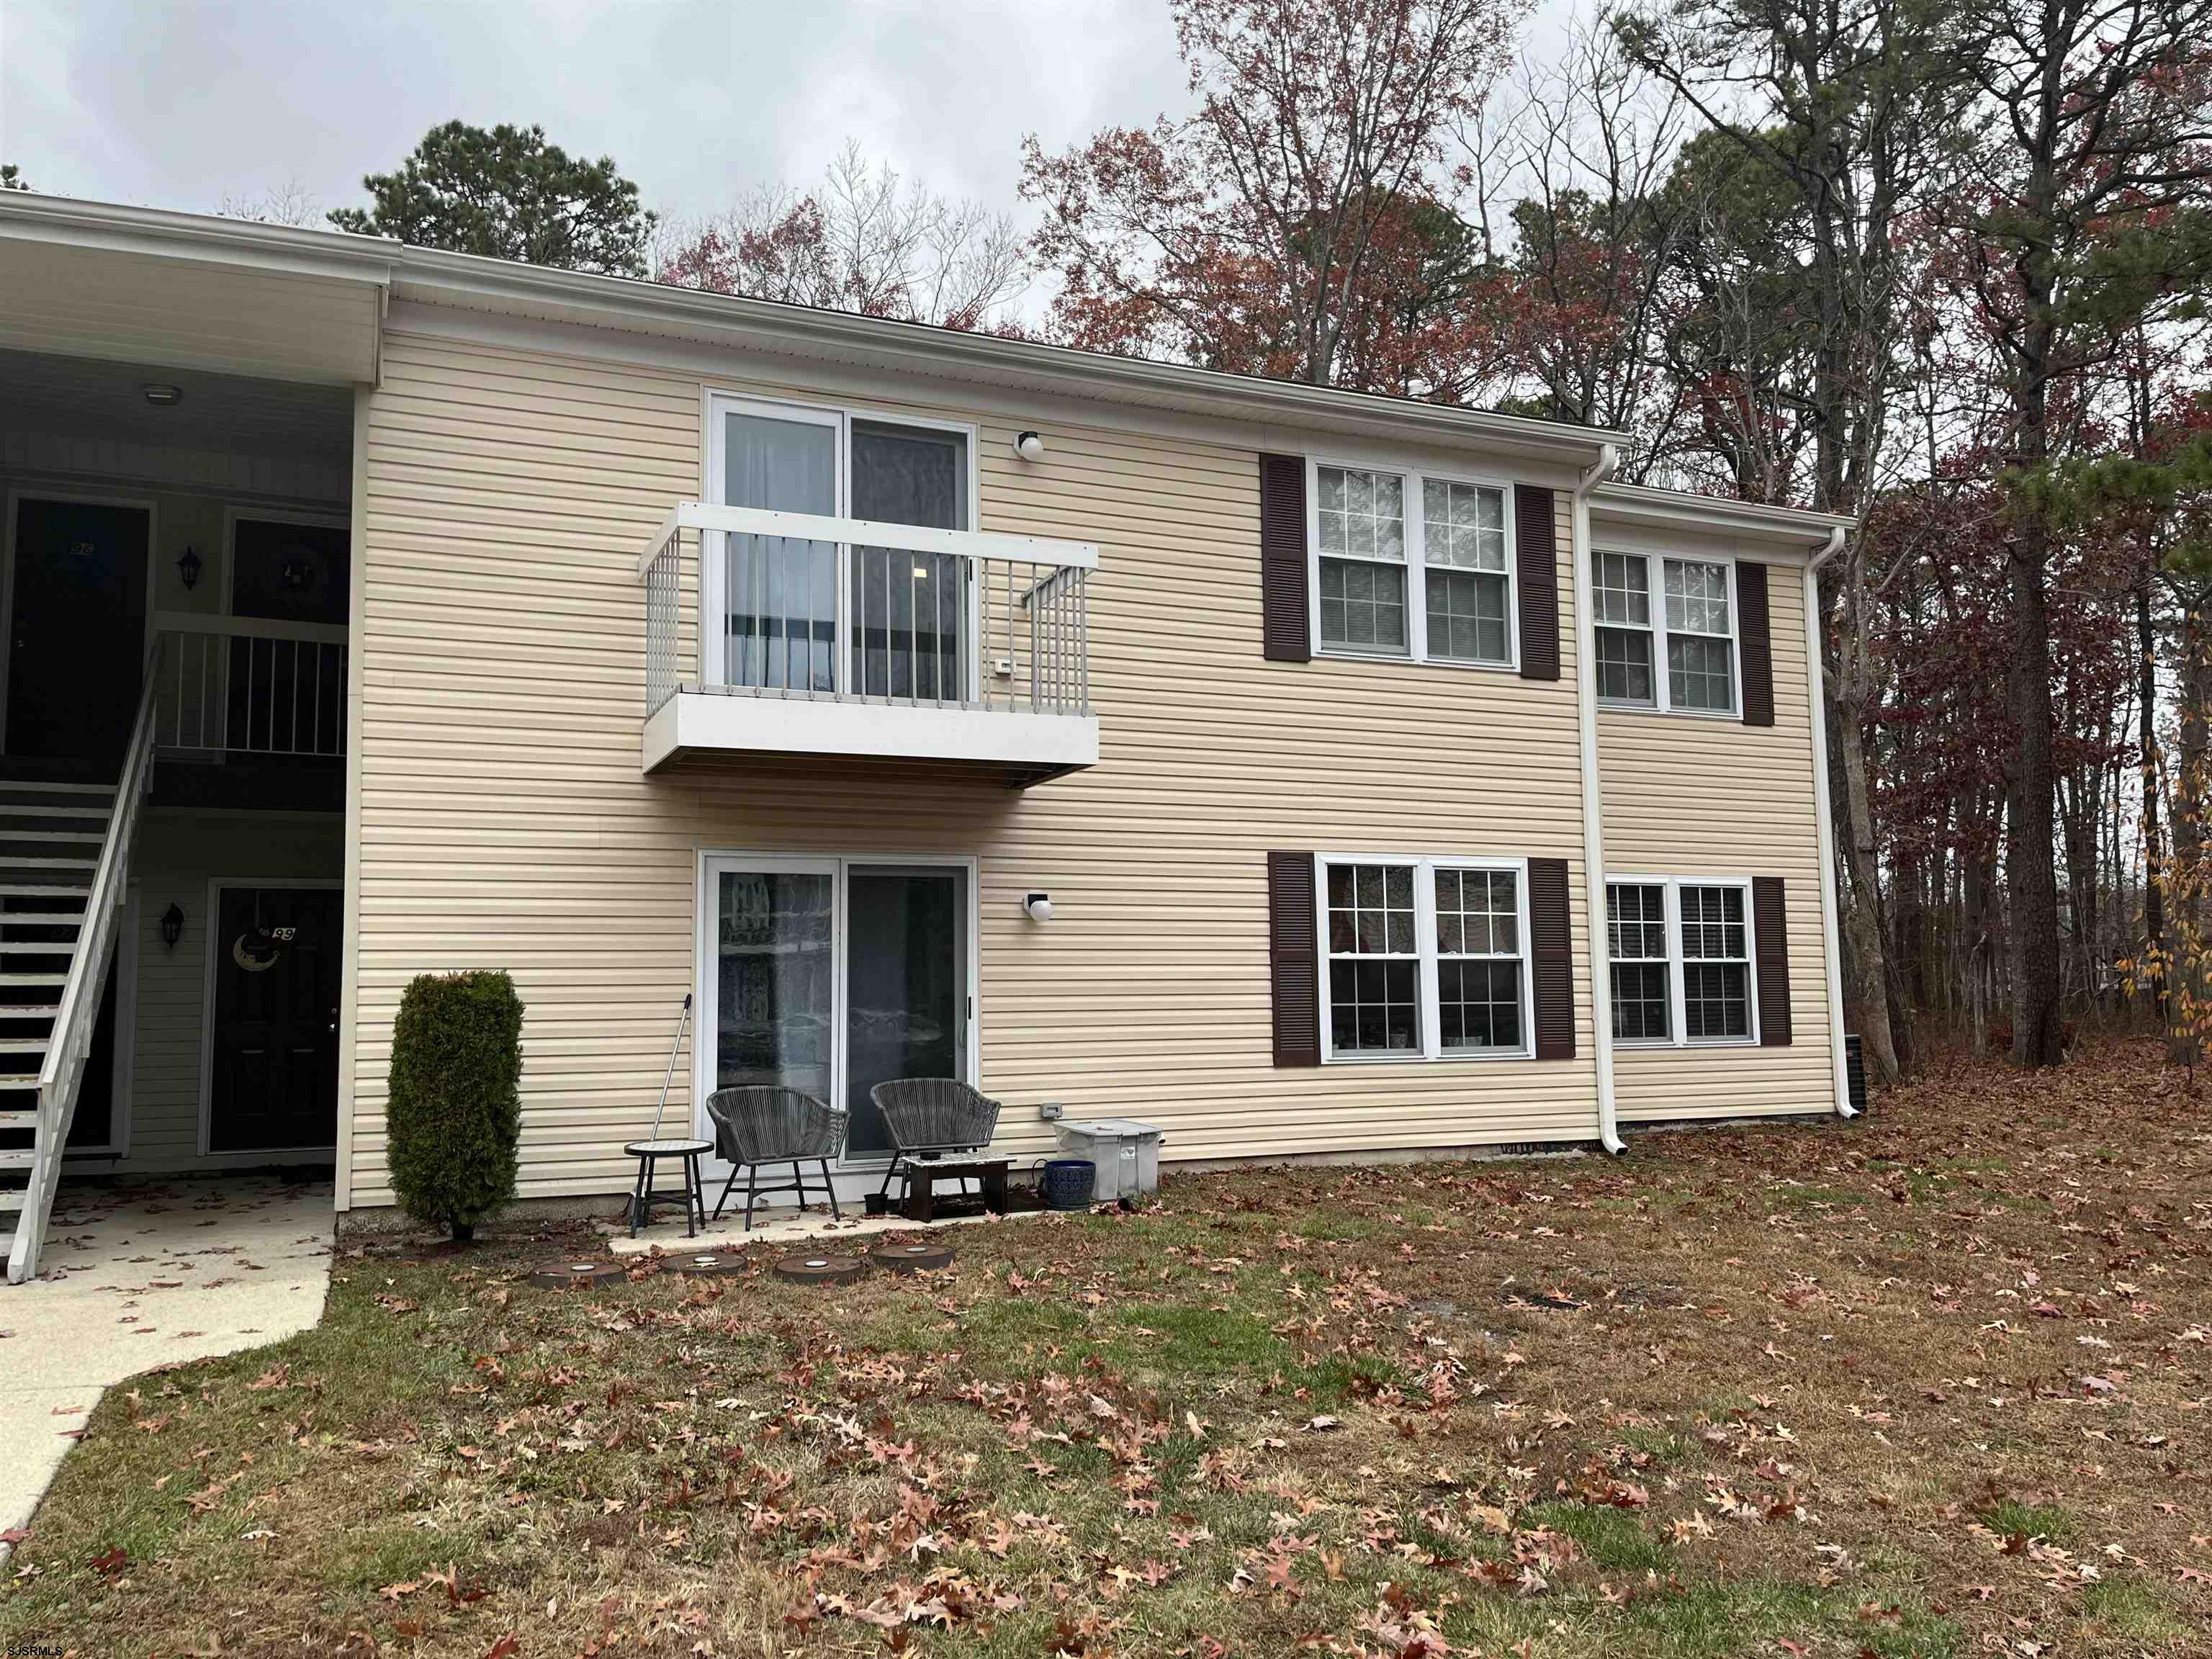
(1935,1382)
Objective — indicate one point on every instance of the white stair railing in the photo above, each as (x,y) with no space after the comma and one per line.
(77,1014)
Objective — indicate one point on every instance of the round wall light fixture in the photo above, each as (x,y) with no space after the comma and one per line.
(1039,905)
(1029,447)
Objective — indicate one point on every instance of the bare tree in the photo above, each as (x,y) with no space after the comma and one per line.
(1589,143)
(862,239)
(288,203)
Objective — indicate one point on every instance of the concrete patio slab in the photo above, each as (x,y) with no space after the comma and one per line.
(780,1226)
(146,1274)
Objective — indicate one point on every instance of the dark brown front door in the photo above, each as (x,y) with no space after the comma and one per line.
(76,631)
(275,1082)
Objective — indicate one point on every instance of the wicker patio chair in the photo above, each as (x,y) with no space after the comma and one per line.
(930,1117)
(767,1124)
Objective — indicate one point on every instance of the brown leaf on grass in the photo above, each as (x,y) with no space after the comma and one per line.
(109,1564)
(506,1648)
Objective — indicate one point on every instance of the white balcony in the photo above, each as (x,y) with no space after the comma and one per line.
(847,639)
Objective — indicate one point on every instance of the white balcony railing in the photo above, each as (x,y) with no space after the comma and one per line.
(246,685)
(918,624)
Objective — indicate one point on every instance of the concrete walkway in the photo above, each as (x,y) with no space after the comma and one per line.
(145,1273)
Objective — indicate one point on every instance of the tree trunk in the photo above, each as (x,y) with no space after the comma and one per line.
(2153,973)
(1862,899)
(2031,869)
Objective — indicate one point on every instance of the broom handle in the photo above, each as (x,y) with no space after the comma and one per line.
(681,1026)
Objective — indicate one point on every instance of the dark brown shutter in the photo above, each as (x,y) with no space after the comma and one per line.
(1536,556)
(1284,632)
(1770,939)
(1758,644)
(1550,959)
(1293,965)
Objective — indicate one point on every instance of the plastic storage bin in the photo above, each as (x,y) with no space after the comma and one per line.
(1126,1154)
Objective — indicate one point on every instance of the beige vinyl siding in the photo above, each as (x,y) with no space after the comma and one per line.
(504,822)
(1693,795)
(178,855)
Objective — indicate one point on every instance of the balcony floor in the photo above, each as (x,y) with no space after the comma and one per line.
(1023,748)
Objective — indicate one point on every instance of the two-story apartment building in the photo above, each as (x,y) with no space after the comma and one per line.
(1304,772)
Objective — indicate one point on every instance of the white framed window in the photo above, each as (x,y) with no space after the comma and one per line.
(1424,959)
(1411,565)
(1643,968)
(1666,636)
(1680,961)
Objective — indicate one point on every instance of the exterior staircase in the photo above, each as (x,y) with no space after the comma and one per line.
(64,862)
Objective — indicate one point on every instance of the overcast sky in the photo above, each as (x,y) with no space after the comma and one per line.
(175,104)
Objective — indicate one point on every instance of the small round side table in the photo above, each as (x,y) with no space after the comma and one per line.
(686,1154)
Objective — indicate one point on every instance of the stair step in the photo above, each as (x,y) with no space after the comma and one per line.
(15,1160)
(11,1079)
(33,979)
(37,809)
(37,890)
(29,1010)
(39,832)
(42,787)
(10,1199)
(24,1045)
(35,861)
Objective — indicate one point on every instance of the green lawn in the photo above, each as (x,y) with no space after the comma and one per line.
(1933,1383)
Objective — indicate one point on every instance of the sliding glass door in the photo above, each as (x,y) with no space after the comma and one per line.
(831,975)
(816,617)
(906,986)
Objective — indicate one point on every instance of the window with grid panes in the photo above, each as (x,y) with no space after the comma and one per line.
(1374,959)
(1622,614)
(1478,959)
(1463,558)
(1716,962)
(1360,524)
(1643,997)
(1700,641)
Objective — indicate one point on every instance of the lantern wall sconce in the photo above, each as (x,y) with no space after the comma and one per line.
(172,926)
(188,566)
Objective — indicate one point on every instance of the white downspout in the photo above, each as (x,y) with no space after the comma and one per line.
(1608,1127)
(1815,682)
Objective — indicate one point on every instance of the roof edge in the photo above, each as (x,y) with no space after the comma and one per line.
(434,276)
(472,281)
(66,222)
(1646,504)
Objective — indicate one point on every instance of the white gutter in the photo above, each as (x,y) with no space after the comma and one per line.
(1608,1127)
(1815,684)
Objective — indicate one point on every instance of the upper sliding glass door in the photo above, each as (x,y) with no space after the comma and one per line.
(911,609)
(801,615)
(780,593)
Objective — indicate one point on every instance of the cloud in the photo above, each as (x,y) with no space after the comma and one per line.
(696,100)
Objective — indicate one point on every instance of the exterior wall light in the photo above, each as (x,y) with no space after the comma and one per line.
(1039,905)
(162,395)
(188,566)
(1029,447)
(172,926)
